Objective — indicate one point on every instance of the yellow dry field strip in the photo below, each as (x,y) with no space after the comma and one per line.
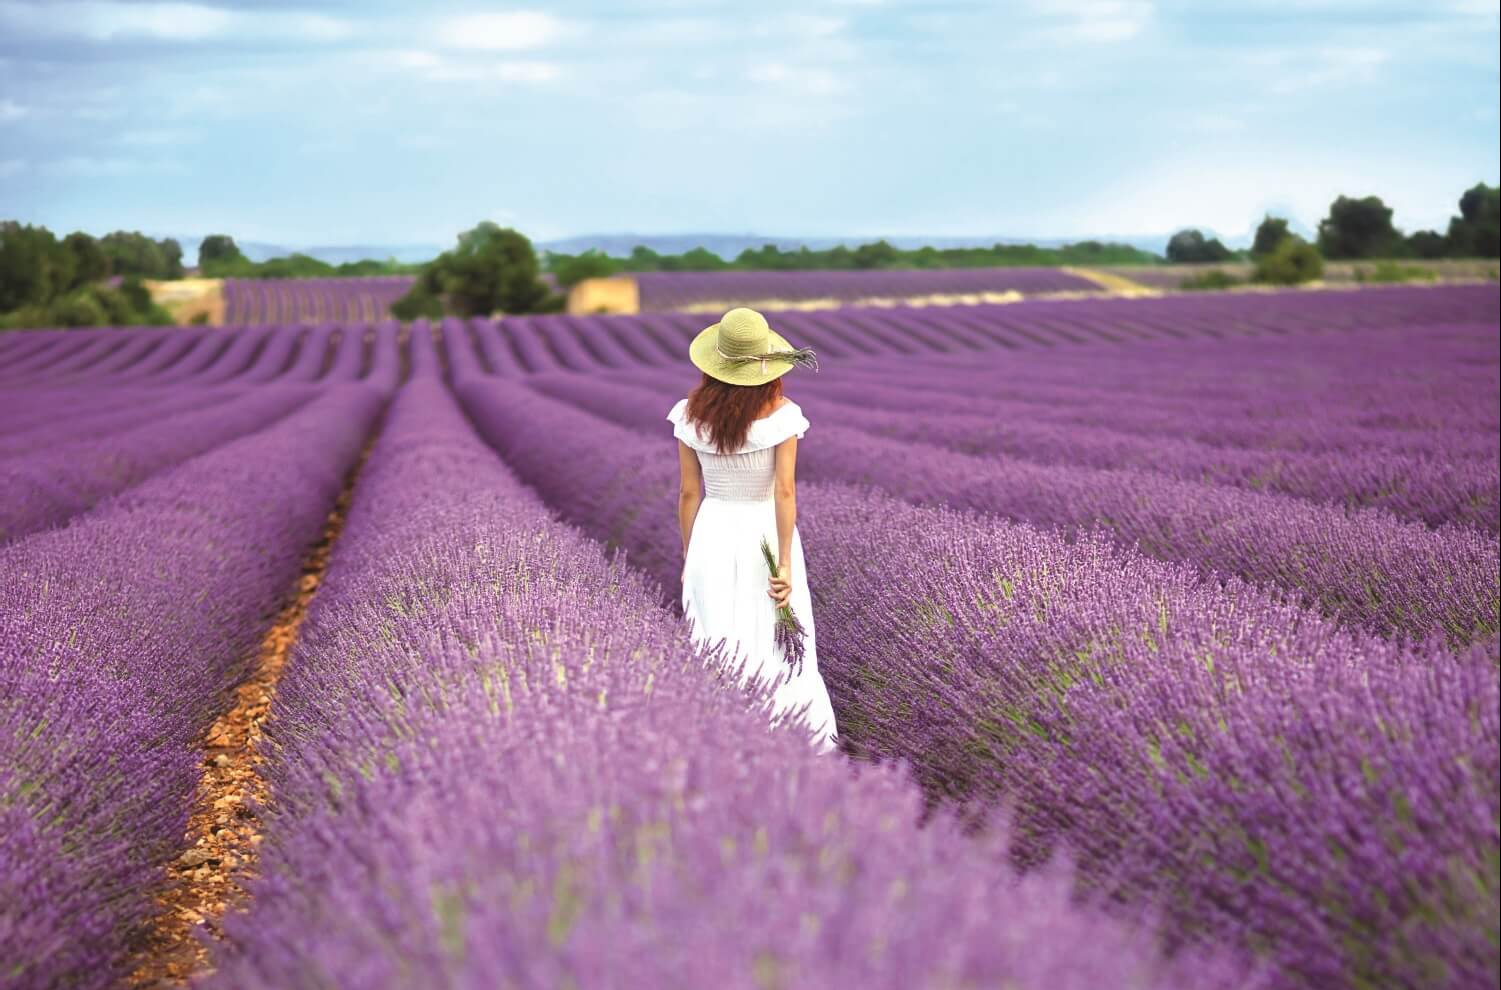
(1118,284)
(186,298)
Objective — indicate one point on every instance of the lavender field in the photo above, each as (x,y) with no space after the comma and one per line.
(312,300)
(682,290)
(1162,636)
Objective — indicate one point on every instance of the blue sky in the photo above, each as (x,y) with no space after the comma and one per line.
(360,121)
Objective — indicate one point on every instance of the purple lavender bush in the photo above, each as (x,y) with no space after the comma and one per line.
(498,762)
(45,488)
(1365,568)
(120,636)
(1102,693)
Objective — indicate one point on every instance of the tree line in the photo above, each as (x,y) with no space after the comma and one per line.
(1362,228)
(220,257)
(50,282)
(46,281)
(571,269)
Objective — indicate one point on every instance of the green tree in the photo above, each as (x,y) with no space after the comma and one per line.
(878,254)
(644,259)
(1190,245)
(699,259)
(1476,232)
(133,253)
(172,259)
(90,263)
(1271,232)
(1358,228)
(218,248)
(29,266)
(571,269)
(1427,244)
(1292,261)
(120,310)
(493,269)
(81,309)
(135,294)
(1212,280)
(418,302)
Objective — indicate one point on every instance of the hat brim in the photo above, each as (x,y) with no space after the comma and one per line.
(704,356)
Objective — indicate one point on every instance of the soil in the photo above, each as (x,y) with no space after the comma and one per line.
(224,827)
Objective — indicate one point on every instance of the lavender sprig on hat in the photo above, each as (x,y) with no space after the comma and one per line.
(789,631)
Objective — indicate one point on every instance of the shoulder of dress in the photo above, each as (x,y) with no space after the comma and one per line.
(784,422)
(685,430)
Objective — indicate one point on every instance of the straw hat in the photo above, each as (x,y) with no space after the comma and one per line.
(742,349)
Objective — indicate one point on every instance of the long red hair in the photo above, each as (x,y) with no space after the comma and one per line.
(726,411)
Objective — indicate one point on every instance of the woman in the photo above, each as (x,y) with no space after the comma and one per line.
(737,450)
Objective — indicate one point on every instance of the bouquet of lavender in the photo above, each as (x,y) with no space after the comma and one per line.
(789,631)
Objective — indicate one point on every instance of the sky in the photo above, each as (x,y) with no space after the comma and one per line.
(363,121)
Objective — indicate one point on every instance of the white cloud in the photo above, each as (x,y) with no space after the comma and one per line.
(1295,70)
(89,166)
(672,32)
(98,112)
(181,22)
(771,34)
(512,31)
(200,99)
(801,26)
(1213,123)
(813,80)
(443,68)
(1093,21)
(1475,8)
(668,109)
(11,110)
(319,146)
(156,137)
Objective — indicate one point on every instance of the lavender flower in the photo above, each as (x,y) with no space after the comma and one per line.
(789,632)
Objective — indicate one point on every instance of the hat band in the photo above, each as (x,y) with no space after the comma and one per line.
(799,356)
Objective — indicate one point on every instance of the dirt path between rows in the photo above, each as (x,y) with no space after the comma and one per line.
(223,831)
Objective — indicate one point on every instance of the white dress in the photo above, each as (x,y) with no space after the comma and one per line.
(725,576)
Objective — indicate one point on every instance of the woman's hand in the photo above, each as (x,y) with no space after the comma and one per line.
(781,585)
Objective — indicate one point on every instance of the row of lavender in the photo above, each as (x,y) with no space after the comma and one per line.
(1366,567)
(967,724)
(1311,418)
(285,351)
(1306,418)
(121,635)
(74,444)
(364,299)
(498,763)
(1288,787)
(85,841)
(257,301)
(526,345)
(160,495)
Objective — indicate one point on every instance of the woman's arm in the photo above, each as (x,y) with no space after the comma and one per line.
(785,494)
(690,491)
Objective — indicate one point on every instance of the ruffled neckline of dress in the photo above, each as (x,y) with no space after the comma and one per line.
(768,431)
